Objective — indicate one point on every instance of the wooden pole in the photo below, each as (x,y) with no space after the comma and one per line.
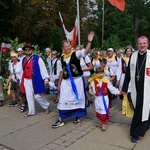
(103,24)
(78,16)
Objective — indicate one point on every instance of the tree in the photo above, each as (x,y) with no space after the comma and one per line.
(32,20)
(56,37)
(5,18)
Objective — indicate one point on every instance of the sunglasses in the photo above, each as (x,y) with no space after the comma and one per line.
(27,49)
(53,54)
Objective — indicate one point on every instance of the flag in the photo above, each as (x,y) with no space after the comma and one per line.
(120,4)
(5,47)
(71,36)
(62,22)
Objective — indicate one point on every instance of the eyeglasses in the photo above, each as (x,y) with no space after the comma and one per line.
(53,54)
(27,49)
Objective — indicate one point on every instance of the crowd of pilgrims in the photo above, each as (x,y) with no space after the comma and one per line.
(103,74)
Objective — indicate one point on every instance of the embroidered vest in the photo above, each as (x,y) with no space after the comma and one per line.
(103,88)
(37,81)
(28,69)
(74,67)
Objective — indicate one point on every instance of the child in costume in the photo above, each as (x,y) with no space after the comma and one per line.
(110,75)
(99,86)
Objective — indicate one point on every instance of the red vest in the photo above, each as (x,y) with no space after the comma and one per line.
(28,69)
(103,88)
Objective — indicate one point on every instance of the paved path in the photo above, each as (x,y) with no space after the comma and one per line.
(35,133)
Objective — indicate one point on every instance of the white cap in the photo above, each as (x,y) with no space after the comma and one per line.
(19,49)
(47,49)
(110,49)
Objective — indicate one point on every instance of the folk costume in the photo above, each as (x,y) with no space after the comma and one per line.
(55,69)
(139,73)
(99,88)
(126,102)
(72,94)
(32,83)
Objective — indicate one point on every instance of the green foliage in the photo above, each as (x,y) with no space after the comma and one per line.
(113,42)
(14,45)
(32,21)
(95,42)
(56,36)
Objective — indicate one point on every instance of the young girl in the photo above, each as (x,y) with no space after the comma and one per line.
(54,74)
(99,85)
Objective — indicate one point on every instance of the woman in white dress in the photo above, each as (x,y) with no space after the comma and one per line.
(72,95)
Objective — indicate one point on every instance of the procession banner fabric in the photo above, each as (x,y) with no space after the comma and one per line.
(5,47)
(120,4)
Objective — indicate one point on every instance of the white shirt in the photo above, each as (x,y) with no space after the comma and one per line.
(16,70)
(83,62)
(21,58)
(109,73)
(115,66)
(96,64)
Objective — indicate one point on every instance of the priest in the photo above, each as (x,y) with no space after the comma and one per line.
(138,72)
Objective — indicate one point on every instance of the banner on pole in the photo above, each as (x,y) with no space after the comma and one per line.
(71,36)
(120,4)
(5,47)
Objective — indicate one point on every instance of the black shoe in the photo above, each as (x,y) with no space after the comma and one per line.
(135,139)
(22,108)
(1,103)
(57,124)
(77,120)
(89,103)
(13,104)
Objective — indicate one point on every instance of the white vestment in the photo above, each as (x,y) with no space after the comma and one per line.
(146,98)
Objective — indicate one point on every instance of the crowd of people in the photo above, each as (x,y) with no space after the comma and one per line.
(78,78)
